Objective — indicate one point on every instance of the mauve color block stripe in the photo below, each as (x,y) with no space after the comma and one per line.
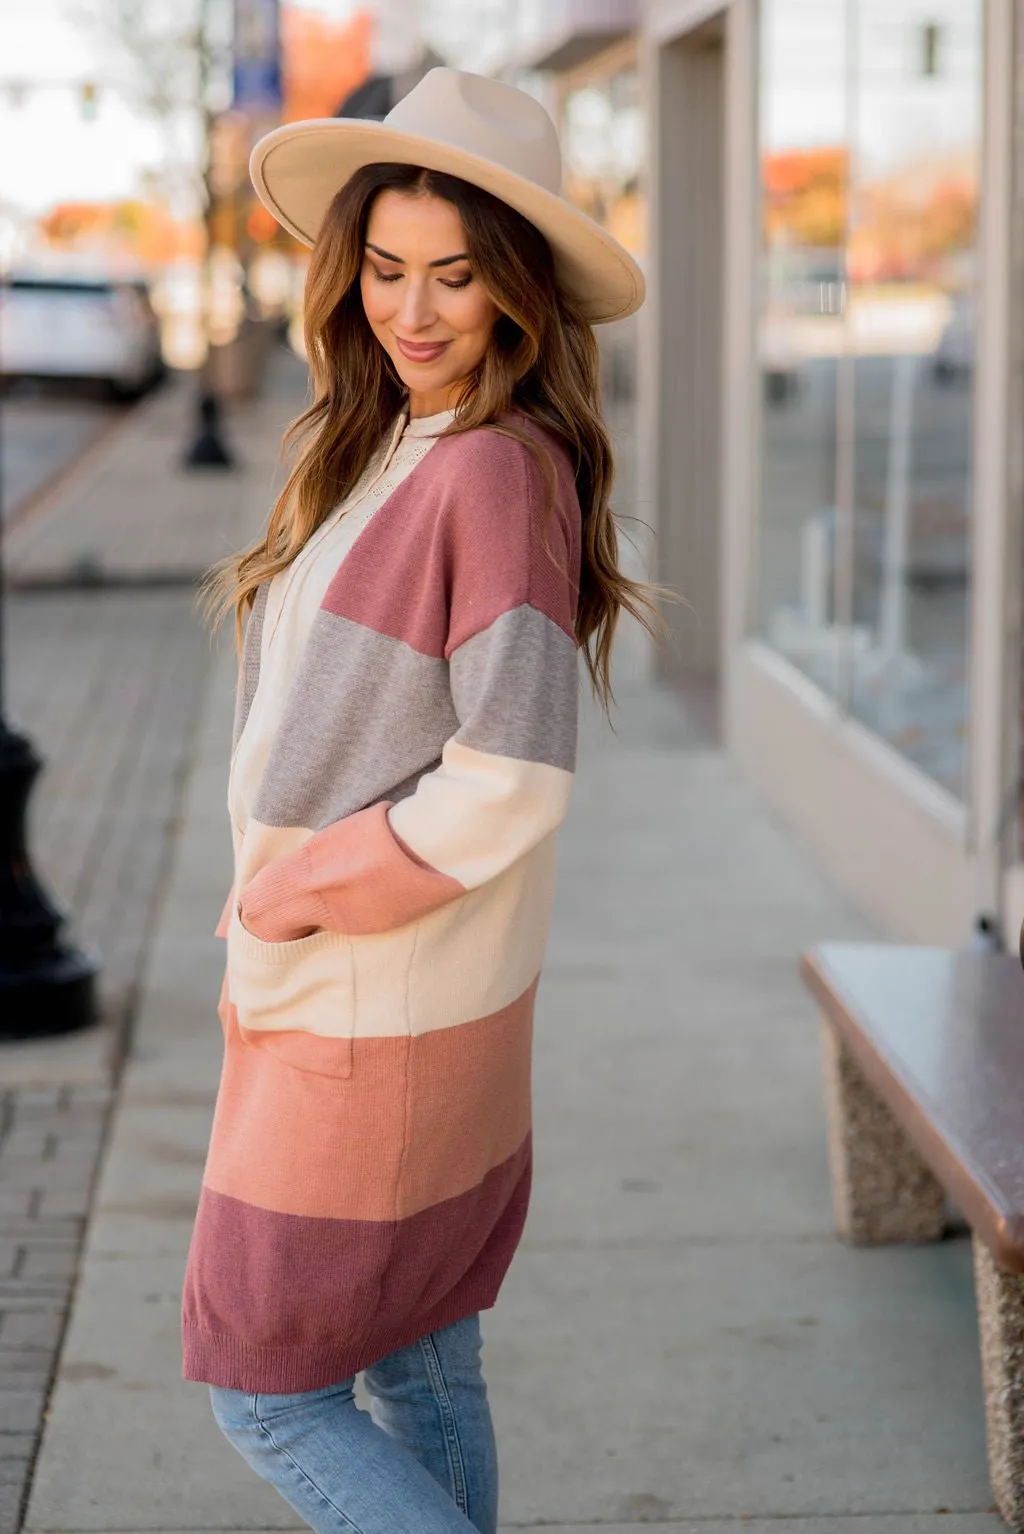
(237,1364)
(418,1121)
(462,540)
(317,1300)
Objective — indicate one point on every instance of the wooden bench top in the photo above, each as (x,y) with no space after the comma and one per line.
(940,1036)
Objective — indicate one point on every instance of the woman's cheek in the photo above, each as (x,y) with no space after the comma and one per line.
(375,300)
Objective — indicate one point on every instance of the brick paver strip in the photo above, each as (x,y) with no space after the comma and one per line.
(108,687)
(49,1144)
(108,684)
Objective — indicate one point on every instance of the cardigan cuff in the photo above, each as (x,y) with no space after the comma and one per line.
(280,904)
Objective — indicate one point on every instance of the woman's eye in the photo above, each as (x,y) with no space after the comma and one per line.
(385,276)
(457,282)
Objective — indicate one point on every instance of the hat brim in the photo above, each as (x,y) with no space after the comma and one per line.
(297,170)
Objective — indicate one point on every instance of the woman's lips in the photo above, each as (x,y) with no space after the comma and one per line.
(421,351)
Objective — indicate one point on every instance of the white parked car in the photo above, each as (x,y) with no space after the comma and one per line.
(79,327)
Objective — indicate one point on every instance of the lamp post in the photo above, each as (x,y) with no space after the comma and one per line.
(249,81)
(207,448)
(46,984)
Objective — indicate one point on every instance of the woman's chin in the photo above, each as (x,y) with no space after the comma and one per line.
(423,376)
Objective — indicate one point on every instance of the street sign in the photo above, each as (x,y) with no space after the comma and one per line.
(257,56)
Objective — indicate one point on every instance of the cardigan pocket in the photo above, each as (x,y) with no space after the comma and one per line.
(296,1000)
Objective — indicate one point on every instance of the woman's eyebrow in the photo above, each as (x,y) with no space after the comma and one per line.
(444,261)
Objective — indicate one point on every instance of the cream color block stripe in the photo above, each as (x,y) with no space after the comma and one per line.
(475,955)
(477,812)
(466,960)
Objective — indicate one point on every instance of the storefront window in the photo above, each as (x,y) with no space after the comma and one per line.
(804,173)
(870,135)
(603,132)
(603,146)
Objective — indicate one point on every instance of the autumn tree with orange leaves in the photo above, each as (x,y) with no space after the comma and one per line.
(804,193)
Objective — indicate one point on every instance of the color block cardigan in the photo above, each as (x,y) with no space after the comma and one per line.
(369,1166)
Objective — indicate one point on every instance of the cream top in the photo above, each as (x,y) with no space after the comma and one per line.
(296,594)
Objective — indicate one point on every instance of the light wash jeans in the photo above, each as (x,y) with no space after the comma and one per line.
(422,1461)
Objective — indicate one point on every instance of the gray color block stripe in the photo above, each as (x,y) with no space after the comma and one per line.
(367,716)
(515,685)
(249,670)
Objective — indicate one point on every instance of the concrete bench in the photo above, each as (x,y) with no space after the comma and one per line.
(924,1071)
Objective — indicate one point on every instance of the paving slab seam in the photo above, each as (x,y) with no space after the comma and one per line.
(46,583)
(712,1520)
(823,1239)
(742,1522)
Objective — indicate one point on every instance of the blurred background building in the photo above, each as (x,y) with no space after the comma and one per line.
(829,383)
(815,413)
(816,409)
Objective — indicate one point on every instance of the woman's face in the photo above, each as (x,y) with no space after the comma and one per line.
(424,303)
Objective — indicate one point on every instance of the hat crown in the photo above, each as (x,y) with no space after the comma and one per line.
(483,117)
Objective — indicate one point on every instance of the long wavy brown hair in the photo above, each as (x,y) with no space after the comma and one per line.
(542,360)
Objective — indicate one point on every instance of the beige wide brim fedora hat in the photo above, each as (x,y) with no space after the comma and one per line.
(467,125)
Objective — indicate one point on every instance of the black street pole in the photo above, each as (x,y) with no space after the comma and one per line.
(207,449)
(46,984)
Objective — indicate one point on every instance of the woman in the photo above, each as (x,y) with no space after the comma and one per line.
(404,748)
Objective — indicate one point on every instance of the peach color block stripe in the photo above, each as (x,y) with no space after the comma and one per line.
(345,1157)
(368,881)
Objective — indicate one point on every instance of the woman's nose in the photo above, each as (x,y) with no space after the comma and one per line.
(417,309)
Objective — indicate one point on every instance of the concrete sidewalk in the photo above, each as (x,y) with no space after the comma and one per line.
(681,1342)
(106,669)
(129,515)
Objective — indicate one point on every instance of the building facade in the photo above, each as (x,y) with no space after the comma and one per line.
(828,379)
(833,241)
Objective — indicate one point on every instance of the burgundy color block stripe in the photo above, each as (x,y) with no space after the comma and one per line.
(317,1300)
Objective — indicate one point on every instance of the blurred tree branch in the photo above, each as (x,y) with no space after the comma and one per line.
(167,57)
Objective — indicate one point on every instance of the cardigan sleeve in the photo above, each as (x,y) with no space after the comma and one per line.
(505,775)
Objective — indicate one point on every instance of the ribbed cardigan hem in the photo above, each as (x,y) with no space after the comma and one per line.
(234,1364)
